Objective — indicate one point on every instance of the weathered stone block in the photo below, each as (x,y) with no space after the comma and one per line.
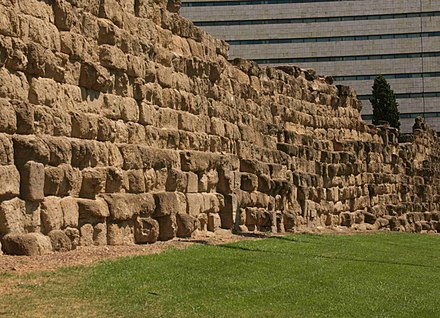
(8,118)
(60,241)
(195,203)
(113,58)
(86,235)
(116,180)
(121,233)
(132,157)
(186,224)
(26,244)
(192,183)
(92,210)
(136,181)
(167,227)
(70,209)
(51,214)
(32,181)
(74,236)
(6,150)
(176,181)
(167,203)
(18,216)
(100,234)
(110,9)
(249,182)
(146,230)
(93,181)
(84,126)
(95,77)
(10,181)
(30,148)
(126,206)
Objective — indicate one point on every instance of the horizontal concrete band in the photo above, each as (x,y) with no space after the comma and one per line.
(319,19)
(336,38)
(274,61)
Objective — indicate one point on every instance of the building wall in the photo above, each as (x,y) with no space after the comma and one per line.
(350,40)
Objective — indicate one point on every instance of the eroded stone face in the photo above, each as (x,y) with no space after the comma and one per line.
(121,122)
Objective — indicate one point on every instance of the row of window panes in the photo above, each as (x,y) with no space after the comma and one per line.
(347,58)
(406,95)
(250,2)
(408,115)
(335,38)
(319,19)
(387,76)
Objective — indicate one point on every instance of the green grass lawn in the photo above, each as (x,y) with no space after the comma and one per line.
(375,275)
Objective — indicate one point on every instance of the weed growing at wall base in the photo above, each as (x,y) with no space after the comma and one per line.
(376,275)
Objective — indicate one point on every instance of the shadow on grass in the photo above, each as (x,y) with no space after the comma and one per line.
(335,258)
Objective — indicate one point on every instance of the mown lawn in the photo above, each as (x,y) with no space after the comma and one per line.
(375,275)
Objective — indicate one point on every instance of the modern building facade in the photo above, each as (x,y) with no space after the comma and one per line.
(350,40)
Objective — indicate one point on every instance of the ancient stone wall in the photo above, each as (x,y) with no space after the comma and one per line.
(122,123)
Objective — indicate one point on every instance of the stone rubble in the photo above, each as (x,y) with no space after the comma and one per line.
(123,123)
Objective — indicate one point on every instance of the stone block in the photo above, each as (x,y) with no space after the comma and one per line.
(132,157)
(196,161)
(186,224)
(121,233)
(30,244)
(70,209)
(167,118)
(211,203)
(74,236)
(64,15)
(60,241)
(60,151)
(167,203)
(92,210)
(6,150)
(8,118)
(146,230)
(96,77)
(13,85)
(159,158)
(214,222)
(100,234)
(136,181)
(116,180)
(111,9)
(147,114)
(106,130)
(165,77)
(249,182)
(86,235)
(150,179)
(126,206)
(51,214)
(176,181)
(84,126)
(192,182)
(347,219)
(167,227)
(32,181)
(195,203)
(62,180)
(228,211)
(10,181)
(93,182)
(112,57)
(18,216)
(30,148)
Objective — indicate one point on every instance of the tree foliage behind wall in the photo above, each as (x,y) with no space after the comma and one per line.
(385,106)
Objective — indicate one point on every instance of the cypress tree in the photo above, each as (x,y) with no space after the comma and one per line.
(385,106)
